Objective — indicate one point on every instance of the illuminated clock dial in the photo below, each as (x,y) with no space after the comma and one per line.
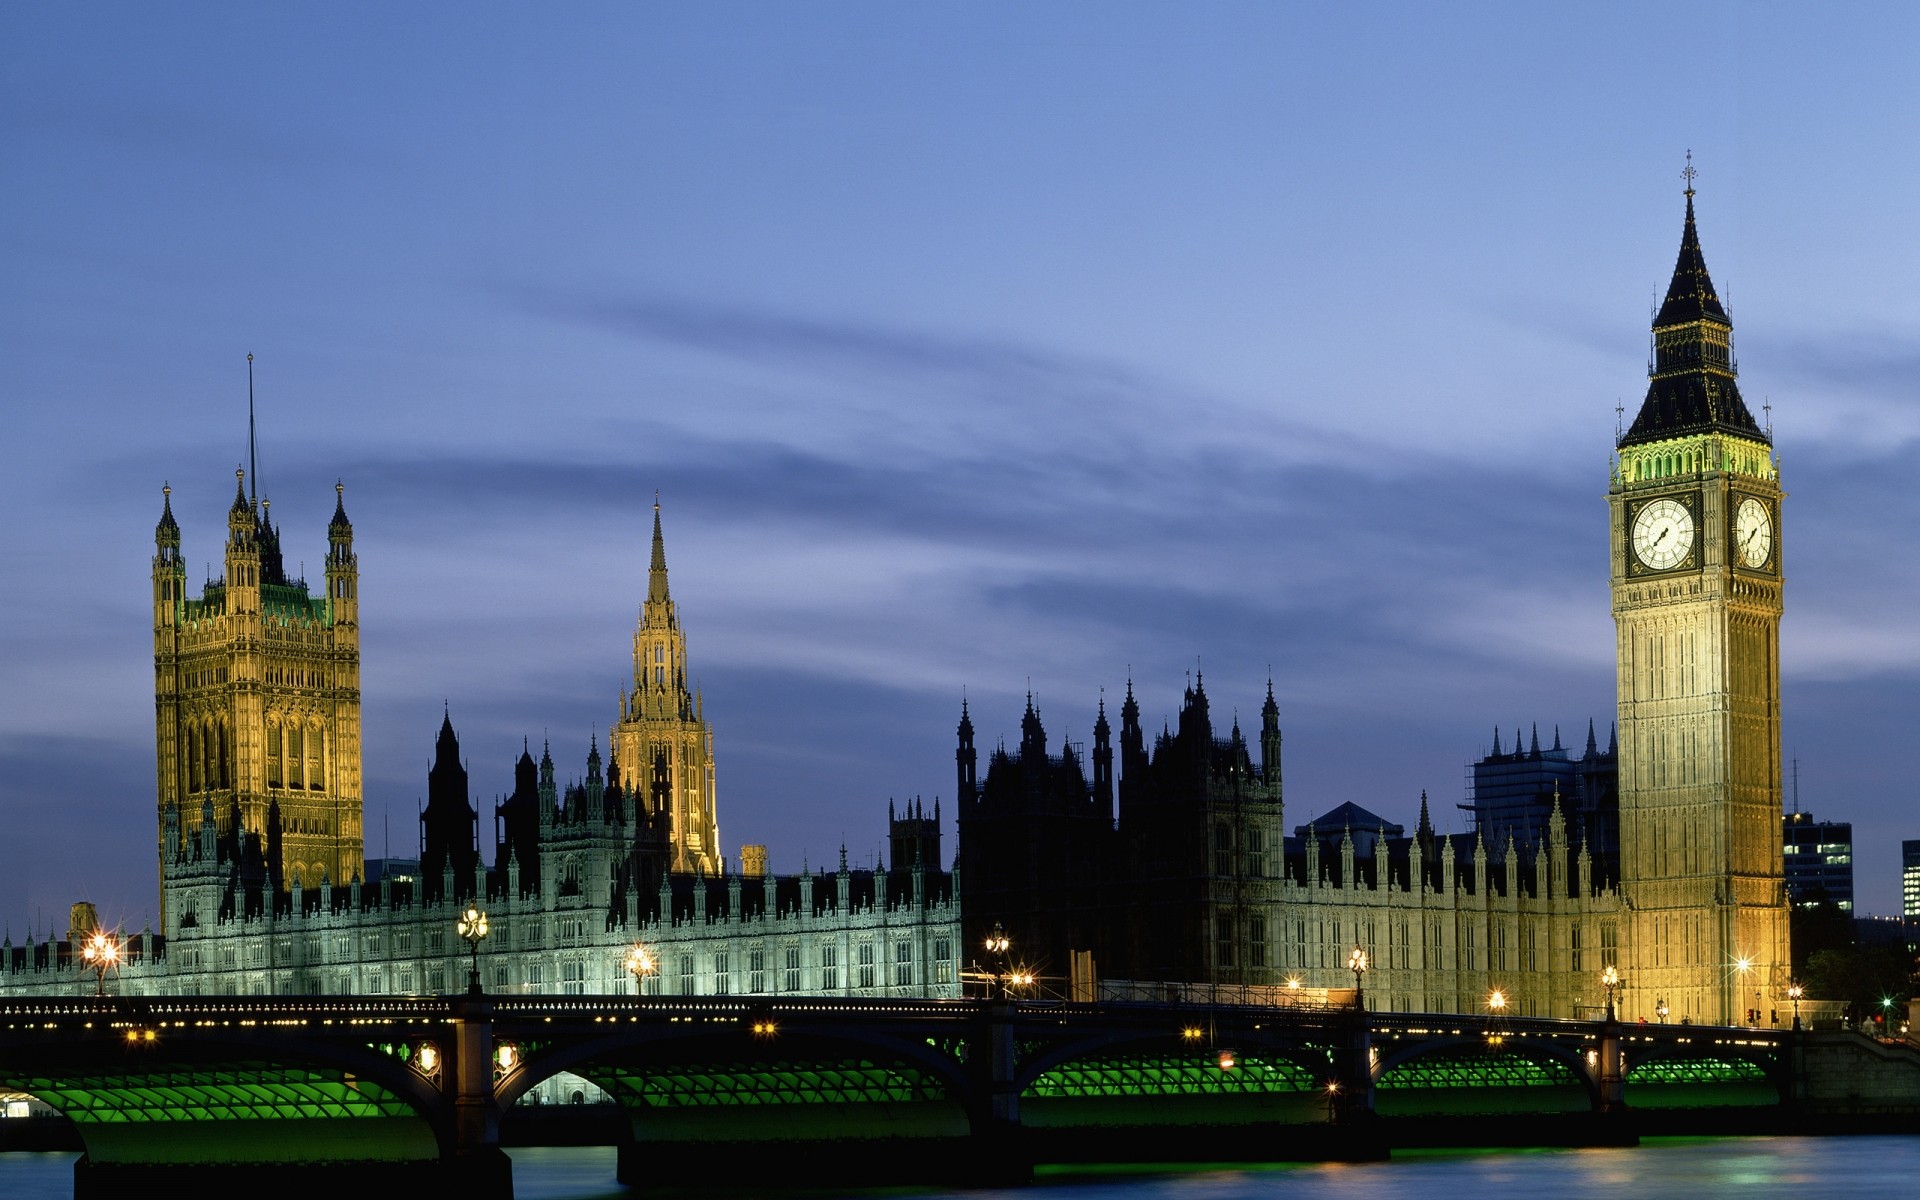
(1662,534)
(1753,533)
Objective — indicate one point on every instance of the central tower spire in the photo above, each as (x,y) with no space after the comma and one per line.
(661,731)
(657,572)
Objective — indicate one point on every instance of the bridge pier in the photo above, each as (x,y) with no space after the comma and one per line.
(1354,1100)
(478,1168)
(1001,1154)
(1613,1086)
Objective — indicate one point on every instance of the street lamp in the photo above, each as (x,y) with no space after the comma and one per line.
(640,965)
(100,953)
(1357,963)
(472,928)
(1610,979)
(998,944)
(1744,964)
(1660,1009)
(1794,992)
(1497,1001)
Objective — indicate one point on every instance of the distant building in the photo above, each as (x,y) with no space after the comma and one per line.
(1515,794)
(1819,861)
(1910,880)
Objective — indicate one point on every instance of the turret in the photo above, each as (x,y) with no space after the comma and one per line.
(966,761)
(1103,762)
(1033,736)
(343,566)
(1133,744)
(169,572)
(1270,740)
(448,824)
(243,552)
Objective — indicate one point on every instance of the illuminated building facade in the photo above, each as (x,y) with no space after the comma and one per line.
(1696,574)
(1660,856)
(582,872)
(257,695)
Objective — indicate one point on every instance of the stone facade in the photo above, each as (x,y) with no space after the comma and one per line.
(1660,857)
(582,874)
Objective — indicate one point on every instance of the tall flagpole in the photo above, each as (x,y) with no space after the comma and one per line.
(253,466)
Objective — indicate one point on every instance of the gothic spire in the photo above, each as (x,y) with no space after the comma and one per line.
(340,524)
(657,572)
(1691,387)
(167,531)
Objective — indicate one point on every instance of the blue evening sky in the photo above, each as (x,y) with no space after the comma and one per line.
(984,347)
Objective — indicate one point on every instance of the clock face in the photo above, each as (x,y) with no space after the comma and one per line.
(1753,533)
(1662,534)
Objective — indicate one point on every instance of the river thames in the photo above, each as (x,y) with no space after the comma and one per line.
(1828,1168)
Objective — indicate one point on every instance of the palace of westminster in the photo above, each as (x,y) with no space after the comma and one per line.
(1160,864)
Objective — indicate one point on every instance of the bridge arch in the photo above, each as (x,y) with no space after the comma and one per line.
(1481,1074)
(1676,1074)
(138,1094)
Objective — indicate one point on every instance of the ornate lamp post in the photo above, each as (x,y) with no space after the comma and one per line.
(472,928)
(997,946)
(1357,963)
(641,965)
(1610,979)
(100,954)
(1794,992)
(1660,1009)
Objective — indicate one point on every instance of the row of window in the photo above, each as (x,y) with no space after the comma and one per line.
(1233,935)
(753,971)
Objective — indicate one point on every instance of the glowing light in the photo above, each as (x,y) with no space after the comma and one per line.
(100,953)
(427,1058)
(1497,1000)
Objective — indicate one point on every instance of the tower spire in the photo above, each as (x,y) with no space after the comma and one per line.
(1692,388)
(657,571)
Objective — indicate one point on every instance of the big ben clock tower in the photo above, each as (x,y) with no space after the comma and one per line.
(1696,571)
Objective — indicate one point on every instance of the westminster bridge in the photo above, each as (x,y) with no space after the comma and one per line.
(374,1089)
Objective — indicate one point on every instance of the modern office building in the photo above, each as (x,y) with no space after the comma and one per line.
(1818,860)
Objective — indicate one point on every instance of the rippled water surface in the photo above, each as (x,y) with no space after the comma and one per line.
(1834,1168)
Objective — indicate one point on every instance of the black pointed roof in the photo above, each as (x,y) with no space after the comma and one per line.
(168,529)
(1690,296)
(1692,387)
(340,524)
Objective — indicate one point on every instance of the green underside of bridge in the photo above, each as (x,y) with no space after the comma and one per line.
(1471,1081)
(1699,1083)
(1173,1075)
(229,1092)
(247,1112)
(747,1085)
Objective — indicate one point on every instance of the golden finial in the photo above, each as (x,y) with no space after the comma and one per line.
(1688,174)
